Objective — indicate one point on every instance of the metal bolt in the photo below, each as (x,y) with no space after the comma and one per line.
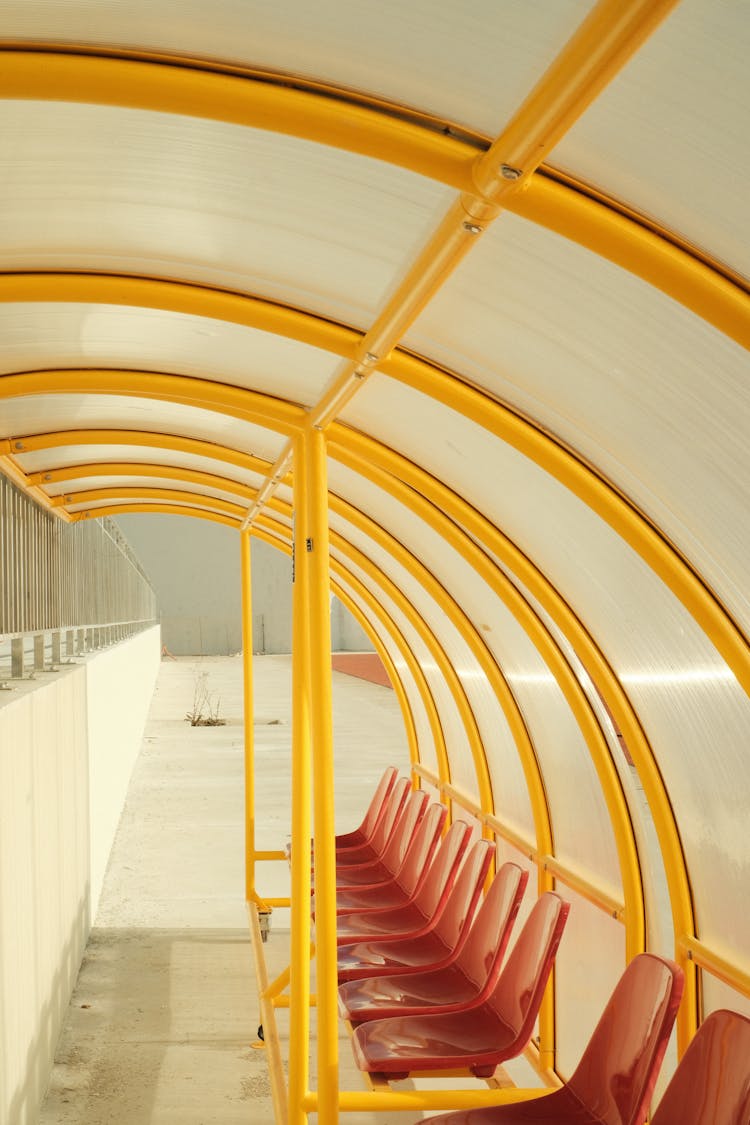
(18,445)
(472,228)
(48,476)
(510,173)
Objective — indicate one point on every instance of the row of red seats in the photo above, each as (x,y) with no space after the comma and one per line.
(424,979)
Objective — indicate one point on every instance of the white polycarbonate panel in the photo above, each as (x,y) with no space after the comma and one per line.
(509,789)
(454,732)
(660,932)
(472,63)
(695,715)
(653,396)
(717,995)
(40,414)
(580,821)
(84,484)
(425,740)
(589,963)
(177,197)
(60,457)
(43,335)
(669,136)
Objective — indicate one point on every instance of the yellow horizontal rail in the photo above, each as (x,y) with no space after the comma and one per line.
(717,966)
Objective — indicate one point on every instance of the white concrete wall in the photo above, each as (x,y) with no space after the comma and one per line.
(68,742)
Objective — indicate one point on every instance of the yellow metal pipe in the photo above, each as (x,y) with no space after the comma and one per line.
(595,54)
(702,955)
(137,469)
(268,1017)
(299,1033)
(150,439)
(386,1101)
(94,496)
(436,651)
(390,668)
(549,650)
(599,495)
(264,528)
(248,713)
(484,657)
(237,402)
(160,508)
(276,106)
(602,675)
(312,464)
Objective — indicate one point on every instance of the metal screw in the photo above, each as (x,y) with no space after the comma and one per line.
(48,476)
(472,228)
(510,173)
(18,445)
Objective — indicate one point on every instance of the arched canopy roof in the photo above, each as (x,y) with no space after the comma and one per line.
(498,254)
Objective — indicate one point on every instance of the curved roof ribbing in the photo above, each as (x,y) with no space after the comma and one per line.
(497,253)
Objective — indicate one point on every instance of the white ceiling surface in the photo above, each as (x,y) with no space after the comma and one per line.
(35,336)
(648,392)
(196,200)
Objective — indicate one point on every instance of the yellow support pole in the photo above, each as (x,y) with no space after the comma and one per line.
(247,689)
(299,991)
(316,556)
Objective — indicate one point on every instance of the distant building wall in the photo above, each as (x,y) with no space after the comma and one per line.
(194,566)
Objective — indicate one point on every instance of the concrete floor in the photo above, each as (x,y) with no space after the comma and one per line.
(162,1027)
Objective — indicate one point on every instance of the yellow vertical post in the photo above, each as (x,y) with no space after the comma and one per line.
(299,988)
(247,686)
(316,551)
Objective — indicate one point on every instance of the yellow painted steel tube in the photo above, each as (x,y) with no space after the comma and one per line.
(96,496)
(160,507)
(224,398)
(135,469)
(602,676)
(268,1017)
(555,660)
(447,670)
(265,528)
(248,713)
(711,962)
(390,668)
(299,1028)
(151,439)
(385,1101)
(316,559)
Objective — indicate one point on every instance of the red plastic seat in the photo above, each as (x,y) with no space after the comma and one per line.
(437,946)
(383,868)
(365,830)
(373,848)
(424,910)
(408,878)
(614,1080)
(711,1086)
(485,1032)
(471,975)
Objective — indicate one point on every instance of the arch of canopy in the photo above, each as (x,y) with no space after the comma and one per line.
(259,408)
(391,133)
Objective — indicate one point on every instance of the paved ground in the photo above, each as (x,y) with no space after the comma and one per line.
(162,1026)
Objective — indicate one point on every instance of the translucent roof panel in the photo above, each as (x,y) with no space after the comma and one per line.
(177,197)
(40,335)
(352,45)
(669,136)
(655,398)
(41,414)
